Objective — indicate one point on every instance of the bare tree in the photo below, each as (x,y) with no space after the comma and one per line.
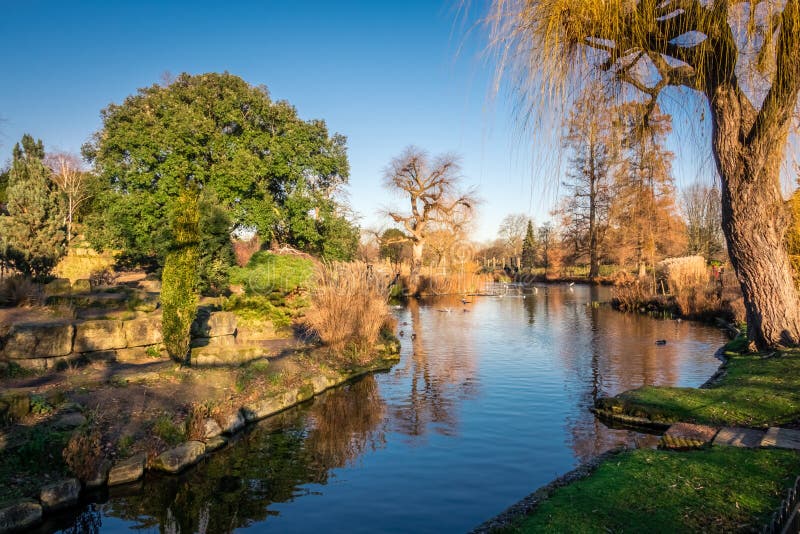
(512,231)
(738,57)
(73,181)
(701,208)
(431,186)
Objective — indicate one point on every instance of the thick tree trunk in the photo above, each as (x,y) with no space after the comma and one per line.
(416,267)
(754,221)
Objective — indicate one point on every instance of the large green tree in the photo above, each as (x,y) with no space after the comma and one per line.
(739,58)
(266,167)
(32,237)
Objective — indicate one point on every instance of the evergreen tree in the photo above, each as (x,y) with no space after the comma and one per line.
(180,280)
(529,248)
(32,237)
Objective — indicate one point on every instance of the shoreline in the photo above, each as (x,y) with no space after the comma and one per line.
(64,494)
(529,503)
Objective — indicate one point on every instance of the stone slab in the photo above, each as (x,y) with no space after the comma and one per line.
(99,335)
(213,324)
(19,516)
(781,438)
(143,331)
(125,471)
(60,494)
(687,436)
(179,458)
(739,437)
(39,340)
(215,443)
(213,356)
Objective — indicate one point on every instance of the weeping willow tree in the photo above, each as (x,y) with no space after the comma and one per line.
(743,58)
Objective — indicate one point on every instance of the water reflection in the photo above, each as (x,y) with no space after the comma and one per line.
(438,384)
(490,400)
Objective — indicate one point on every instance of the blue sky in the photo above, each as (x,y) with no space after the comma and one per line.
(385,74)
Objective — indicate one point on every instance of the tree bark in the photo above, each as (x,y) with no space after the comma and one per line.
(416,267)
(754,221)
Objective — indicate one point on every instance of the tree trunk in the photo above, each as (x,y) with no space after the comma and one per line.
(416,267)
(754,221)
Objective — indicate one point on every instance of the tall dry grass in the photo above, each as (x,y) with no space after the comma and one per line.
(681,274)
(349,306)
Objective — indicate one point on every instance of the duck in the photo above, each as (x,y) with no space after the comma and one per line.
(661,342)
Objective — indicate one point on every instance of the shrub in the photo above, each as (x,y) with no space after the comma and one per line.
(267,273)
(196,420)
(180,280)
(102,277)
(349,305)
(84,453)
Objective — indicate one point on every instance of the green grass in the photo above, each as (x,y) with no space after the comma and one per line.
(169,431)
(755,392)
(22,469)
(266,273)
(722,489)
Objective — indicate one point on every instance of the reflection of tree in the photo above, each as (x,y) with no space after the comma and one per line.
(437,384)
(347,424)
(608,352)
(268,464)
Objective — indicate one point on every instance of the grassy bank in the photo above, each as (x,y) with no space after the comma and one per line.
(754,390)
(719,490)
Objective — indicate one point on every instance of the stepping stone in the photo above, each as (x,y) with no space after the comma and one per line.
(739,437)
(782,438)
(687,436)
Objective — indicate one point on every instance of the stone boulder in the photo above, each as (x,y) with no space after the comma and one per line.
(214,356)
(144,301)
(69,421)
(177,459)
(269,406)
(60,287)
(319,383)
(211,428)
(60,494)
(215,443)
(125,471)
(233,423)
(143,331)
(264,330)
(38,340)
(99,335)
(213,324)
(20,516)
(100,477)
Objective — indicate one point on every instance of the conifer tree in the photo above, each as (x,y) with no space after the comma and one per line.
(529,248)
(32,237)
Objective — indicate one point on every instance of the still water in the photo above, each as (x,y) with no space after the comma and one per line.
(490,400)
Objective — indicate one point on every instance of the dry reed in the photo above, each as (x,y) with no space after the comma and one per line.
(349,306)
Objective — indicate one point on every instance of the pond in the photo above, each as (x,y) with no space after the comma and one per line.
(490,400)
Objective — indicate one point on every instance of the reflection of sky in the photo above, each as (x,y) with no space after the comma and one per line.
(484,407)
